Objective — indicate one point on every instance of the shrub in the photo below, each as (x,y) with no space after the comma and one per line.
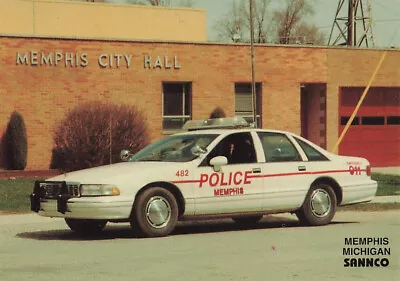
(218,112)
(16,143)
(83,139)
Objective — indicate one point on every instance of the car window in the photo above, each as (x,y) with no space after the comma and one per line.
(311,153)
(176,148)
(278,148)
(238,148)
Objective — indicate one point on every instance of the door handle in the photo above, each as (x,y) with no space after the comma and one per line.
(302,168)
(256,170)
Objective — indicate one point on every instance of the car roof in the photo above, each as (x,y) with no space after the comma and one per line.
(230,131)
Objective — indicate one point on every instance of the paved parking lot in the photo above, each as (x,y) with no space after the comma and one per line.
(36,248)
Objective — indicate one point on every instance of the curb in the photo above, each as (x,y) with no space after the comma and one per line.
(386,199)
(28,174)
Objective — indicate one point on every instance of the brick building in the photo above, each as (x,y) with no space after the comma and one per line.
(307,90)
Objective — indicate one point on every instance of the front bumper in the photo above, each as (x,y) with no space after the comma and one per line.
(66,203)
(87,209)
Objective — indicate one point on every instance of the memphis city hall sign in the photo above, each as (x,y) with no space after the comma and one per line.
(53,59)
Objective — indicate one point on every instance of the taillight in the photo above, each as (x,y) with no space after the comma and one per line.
(368,170)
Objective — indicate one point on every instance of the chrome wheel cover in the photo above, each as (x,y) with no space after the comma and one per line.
(158,212)
(320,203)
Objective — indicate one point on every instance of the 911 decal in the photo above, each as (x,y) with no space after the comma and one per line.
(355,170)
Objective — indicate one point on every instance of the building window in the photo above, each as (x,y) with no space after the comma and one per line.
(176,105)
(393,120)
(345,119)
(373,120)
(244,102)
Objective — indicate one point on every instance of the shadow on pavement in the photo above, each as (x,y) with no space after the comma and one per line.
(123,231)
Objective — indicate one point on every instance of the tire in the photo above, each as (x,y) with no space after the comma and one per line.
(155,213)
(319,207)
(86,227)
(247,220)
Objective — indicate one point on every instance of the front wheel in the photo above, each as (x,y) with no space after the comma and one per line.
(155,213)
(86,227)
(319,207)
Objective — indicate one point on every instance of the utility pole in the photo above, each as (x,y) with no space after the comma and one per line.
(351,22)
(345,29)
(253,83)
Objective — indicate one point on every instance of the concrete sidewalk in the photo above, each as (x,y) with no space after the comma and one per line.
(386,170)
(386,199)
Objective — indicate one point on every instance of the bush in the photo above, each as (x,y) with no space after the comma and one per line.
(16,143)
(218,112)
(82,140)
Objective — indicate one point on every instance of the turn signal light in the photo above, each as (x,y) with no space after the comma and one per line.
(368,169)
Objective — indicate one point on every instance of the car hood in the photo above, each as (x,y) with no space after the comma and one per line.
(108,173)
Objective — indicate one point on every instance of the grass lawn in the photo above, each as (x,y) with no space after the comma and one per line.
(387,184)
(14,194)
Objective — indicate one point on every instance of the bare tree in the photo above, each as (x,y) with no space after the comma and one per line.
(232,25)
(290,19)
(309,34)
(159,2)
(261,18)
(285,25)
(235,25)
(180,3)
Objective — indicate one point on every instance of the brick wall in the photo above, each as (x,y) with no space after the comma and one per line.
(43,93)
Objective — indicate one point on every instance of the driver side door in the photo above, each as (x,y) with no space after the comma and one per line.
(233,188)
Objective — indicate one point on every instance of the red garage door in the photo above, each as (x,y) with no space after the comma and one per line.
(375,132)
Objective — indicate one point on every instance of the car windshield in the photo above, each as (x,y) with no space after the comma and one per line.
(177,148)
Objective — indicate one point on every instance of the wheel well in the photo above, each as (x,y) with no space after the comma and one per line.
(335,186)
(171,188)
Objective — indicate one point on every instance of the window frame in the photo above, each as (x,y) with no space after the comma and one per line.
(207,158)
(186,90)
(258,89)
(300,142)
(298,156)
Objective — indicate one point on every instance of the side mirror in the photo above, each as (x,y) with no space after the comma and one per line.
(218,161)
(125,155)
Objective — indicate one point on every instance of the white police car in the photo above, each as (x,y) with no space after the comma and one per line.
(242,173)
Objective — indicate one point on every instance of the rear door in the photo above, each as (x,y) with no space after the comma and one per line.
(285,176)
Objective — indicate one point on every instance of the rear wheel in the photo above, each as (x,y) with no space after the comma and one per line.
(319,206)
(247,220)
(86,227)
(155,213)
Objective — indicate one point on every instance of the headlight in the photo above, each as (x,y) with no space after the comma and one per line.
(99,190)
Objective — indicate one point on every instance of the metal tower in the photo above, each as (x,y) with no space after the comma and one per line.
(353,28)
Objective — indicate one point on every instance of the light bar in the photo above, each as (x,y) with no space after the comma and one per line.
(216,123)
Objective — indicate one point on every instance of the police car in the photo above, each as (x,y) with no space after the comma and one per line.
(208,171)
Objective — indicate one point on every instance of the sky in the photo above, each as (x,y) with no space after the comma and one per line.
(385,15)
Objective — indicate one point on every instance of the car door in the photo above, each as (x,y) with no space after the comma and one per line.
(285,176)
(232,188)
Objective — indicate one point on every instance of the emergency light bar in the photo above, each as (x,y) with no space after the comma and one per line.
(216,123)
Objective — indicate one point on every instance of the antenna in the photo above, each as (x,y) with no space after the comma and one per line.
(355,28)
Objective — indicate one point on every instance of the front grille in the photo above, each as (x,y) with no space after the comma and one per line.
(51,190)
(73,190)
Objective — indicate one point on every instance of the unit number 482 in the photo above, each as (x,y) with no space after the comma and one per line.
(182,173)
